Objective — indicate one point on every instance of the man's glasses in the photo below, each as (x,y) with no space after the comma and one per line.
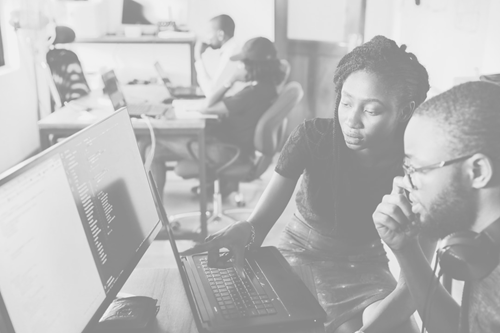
(410,170)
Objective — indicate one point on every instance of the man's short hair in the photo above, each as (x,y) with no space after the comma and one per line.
(469,114)
(225,23)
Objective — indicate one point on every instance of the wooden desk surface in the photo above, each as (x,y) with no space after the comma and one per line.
(73,116)
(175,314)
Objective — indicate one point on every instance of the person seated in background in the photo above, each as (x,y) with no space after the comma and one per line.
(452,175)
(212,55)
(239,114)
(347,164)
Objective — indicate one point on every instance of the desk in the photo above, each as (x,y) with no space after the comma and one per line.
(175,314)
(72,118)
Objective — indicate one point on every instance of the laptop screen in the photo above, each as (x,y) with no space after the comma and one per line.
(163,75)
(74,222)
(112,89)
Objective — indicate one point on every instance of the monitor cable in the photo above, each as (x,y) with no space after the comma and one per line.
(149,158)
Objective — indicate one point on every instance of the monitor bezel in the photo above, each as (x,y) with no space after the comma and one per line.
(128,270)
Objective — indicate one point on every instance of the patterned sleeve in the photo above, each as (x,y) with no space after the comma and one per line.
(293,157)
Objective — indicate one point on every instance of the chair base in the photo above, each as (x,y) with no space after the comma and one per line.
(214,217)
(240,199)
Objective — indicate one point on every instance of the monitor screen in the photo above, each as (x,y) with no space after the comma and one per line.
(152,12)
(74,222)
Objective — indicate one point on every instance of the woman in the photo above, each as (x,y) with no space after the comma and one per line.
(261,70)
(347,164)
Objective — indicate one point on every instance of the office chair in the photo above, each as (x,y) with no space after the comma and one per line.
(286,68)
(68,81)
(268,138)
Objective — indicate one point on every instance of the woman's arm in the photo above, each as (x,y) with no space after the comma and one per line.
(215,98)
(271,205)
(399,305)
(236,236)
(219,109)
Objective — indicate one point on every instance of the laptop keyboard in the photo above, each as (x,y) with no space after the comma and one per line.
(236,297)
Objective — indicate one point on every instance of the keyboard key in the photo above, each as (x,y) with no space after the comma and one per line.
(254,312)
(238,297)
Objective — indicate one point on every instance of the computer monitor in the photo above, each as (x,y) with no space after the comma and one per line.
(152,12)
(74,222)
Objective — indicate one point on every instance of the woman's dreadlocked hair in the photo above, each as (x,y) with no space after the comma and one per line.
(399,69)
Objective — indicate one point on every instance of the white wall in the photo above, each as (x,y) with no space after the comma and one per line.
(18,105)
(253,18)
(318,20)
(456,40)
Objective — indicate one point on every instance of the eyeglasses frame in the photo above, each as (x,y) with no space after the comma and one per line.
(410,170)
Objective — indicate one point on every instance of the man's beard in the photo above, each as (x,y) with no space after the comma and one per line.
(215,46)
(452,211)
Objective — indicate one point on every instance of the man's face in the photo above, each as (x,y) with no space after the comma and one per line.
(442,201)
(214,35)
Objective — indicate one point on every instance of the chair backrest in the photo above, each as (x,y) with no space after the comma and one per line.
(286,68)
(67,74)
(271,128)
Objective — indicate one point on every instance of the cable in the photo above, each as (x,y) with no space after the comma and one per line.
(432,286)
(149,158)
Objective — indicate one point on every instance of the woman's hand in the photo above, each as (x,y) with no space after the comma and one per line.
(393,217)
(240,74)
(234,238)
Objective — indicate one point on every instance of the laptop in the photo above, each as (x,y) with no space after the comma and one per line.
(178,92)
(271,296)
(112,89)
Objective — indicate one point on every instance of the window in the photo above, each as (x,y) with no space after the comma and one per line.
(2,57)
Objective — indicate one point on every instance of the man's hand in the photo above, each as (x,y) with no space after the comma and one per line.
(199,48)
(393,217)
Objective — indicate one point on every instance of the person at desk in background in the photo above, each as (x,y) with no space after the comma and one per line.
(212,55)
(260,68)
(347,164)
(458,198)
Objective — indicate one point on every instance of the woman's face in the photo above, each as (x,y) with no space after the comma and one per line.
(368,112)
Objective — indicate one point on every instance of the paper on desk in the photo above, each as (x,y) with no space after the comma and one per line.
(189,109)
(176,34)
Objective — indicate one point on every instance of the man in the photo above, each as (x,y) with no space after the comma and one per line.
(462,128)
(212,55)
